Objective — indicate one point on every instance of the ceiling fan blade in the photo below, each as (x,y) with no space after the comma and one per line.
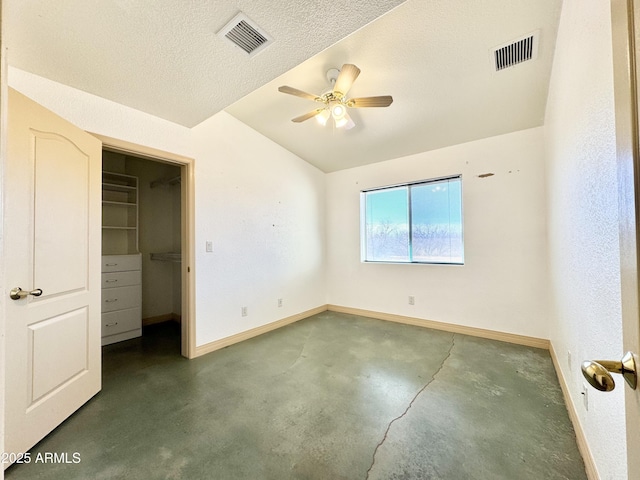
(347,76)
(307,116)
(363,102)
(298,93)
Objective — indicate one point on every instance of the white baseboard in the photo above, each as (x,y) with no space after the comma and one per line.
(583,446)
(448,327)
(254,332)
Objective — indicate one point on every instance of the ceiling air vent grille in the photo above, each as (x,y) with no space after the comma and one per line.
(245,34)
(518,51)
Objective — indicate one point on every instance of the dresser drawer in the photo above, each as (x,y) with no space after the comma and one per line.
(119,263)
(121,279)
(120,298)
(121,321)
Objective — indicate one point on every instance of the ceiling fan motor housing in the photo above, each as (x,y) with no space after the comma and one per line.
(332,75)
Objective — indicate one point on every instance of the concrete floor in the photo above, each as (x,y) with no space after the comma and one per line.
(331,397)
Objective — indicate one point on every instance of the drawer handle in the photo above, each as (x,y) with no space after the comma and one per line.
(111,281)
(111,300)
(111,324)
(111,265)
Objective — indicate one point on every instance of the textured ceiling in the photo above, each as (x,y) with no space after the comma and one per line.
(435,59)
(163,57)
(433,56)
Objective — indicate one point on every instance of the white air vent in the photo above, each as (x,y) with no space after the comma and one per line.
(245,34)
(515,52)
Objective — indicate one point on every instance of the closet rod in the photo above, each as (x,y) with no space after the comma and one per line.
(165,181)
(166,257)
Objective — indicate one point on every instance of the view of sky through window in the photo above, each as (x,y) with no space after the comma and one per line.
(420,223)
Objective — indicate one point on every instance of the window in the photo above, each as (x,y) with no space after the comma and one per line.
(417,222)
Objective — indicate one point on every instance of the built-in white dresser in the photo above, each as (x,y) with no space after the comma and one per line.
(121,297)
(121,259)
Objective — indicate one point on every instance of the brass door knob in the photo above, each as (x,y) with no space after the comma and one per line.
(597,372)
(17,293)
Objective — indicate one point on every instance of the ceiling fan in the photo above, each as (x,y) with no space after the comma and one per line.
(335,101)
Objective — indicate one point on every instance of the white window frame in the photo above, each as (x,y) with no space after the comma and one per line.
(409,185)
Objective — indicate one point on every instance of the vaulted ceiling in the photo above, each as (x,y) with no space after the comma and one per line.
(433,57)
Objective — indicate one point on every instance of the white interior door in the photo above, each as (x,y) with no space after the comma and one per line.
(52,243)
(625,16)
(631,315)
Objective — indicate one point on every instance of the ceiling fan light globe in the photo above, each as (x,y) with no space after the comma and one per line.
(341,122)
(350,123)
(338,111)
(323,116)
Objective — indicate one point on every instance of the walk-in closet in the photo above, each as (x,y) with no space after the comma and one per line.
(141,246)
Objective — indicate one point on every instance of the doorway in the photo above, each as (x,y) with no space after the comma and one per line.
(158,229)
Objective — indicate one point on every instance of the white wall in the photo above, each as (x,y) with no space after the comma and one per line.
(263,209)
(501,286)
(583,221)
(104,117)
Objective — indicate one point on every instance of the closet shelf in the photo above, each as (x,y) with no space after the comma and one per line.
(167,257)
(118,188)
(120,205)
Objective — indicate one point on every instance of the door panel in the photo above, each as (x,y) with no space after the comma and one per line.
(52,242)
(53,367)
(61,214)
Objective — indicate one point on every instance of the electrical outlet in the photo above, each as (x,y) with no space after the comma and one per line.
(569,360)
(244,311)
(412,300)
(209,246)
(279,302)
(585,396)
